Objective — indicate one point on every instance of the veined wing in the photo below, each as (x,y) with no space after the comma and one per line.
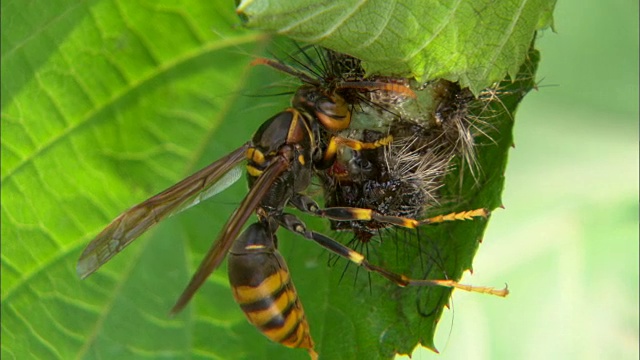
(217,187)
(230,231)
(135,221)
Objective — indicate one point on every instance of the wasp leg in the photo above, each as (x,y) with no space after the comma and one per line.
(357,145)
(456,216)
(306,204)
(292,223)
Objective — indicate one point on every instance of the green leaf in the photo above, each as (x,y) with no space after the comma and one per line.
(474,42)
(106,103)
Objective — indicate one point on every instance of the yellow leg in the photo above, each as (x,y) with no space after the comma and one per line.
(292,223)
(357,145)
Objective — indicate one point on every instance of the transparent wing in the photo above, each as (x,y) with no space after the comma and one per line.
(230,231)
(219,186)
(135,221)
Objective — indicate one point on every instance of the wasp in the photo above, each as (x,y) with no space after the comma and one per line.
(282,157)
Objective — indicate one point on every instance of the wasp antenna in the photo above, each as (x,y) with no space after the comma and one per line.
(378,85)
(285,69)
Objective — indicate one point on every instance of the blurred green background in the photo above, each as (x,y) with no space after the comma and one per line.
(567,241)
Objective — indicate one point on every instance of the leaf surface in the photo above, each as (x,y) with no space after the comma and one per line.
(474,42)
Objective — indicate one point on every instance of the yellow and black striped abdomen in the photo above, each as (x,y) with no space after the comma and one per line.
(262,287)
